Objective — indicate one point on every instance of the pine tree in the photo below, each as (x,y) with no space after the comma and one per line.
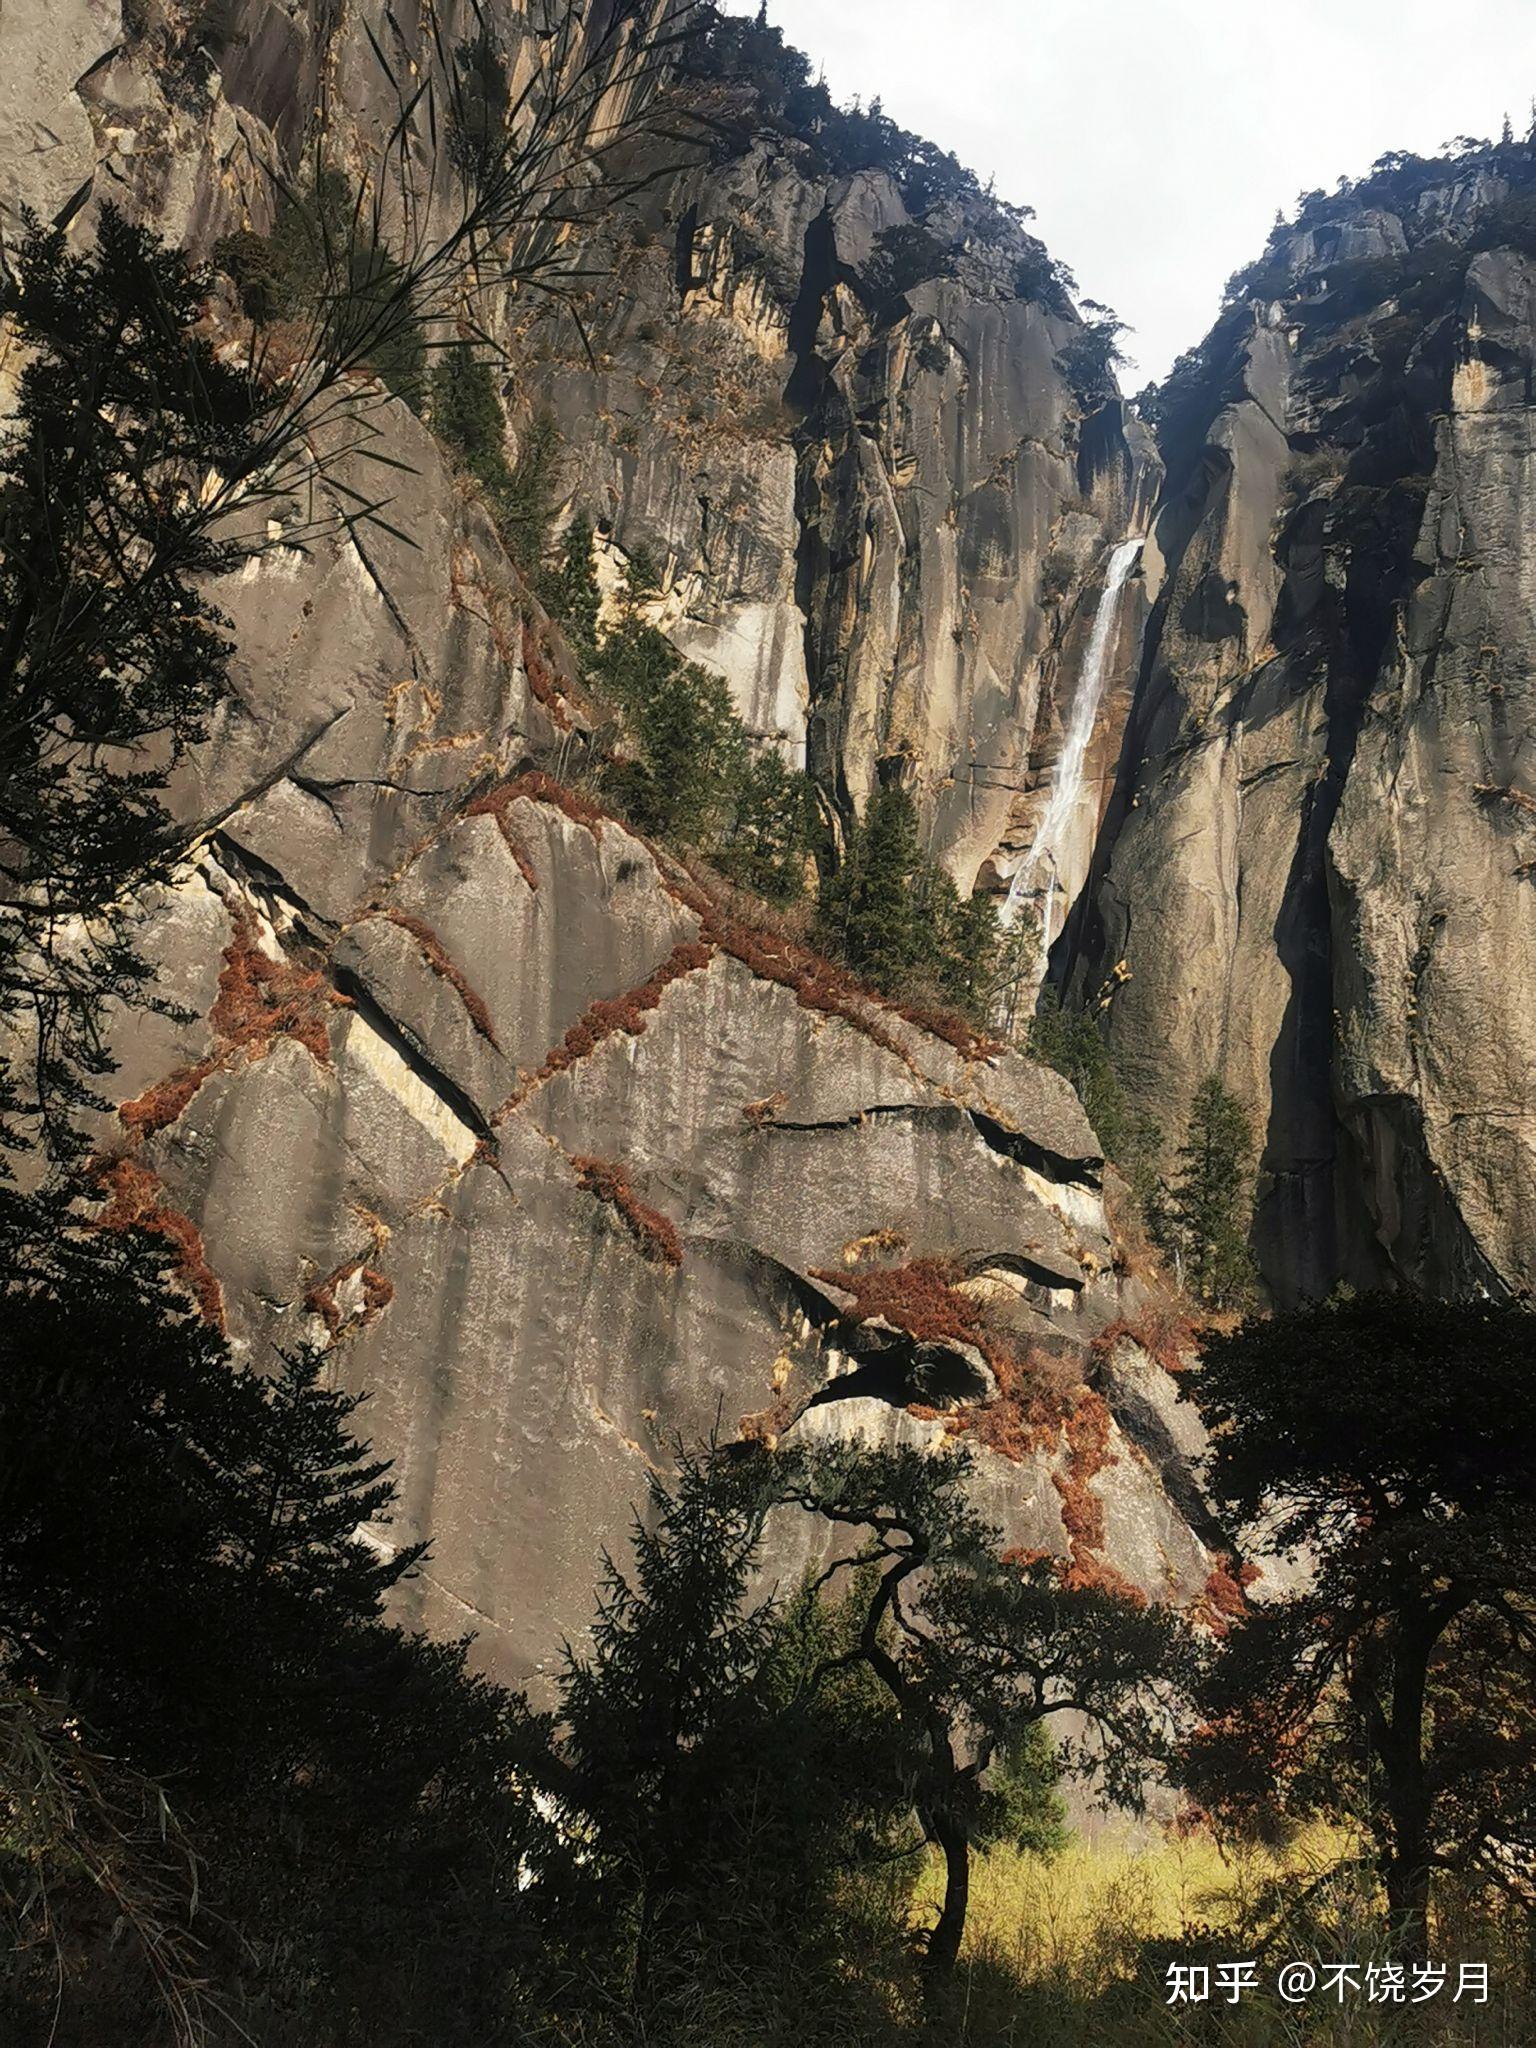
(1210,1204)
(869,909)
(466,414)
(571,593)
(772,828)
(300,1507)
(110,656)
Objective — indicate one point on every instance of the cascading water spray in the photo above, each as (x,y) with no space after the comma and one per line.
(1041,866)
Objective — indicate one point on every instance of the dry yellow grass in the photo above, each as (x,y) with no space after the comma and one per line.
(1071,1953)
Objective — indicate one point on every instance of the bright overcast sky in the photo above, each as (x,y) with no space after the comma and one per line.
(1155,138)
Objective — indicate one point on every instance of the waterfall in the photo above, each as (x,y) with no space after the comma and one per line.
(1041,866)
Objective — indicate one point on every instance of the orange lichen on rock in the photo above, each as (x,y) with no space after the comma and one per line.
(259,1000)
(493,803)
(136,1201)
(447,969)
(655,1234)
(627,1013)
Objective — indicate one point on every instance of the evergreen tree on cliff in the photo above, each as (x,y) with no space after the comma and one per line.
(1210,1204)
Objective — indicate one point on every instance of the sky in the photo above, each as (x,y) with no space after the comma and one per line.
(1155,139)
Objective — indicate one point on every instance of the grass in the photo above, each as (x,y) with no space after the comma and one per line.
(1071,1953)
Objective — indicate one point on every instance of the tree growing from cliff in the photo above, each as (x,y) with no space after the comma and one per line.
(1205,1220)
(974,1653)
(868,907)
(1070,1041)
(897,918)
(1387,1446)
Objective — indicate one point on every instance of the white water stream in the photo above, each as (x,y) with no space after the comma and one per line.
(1040,871)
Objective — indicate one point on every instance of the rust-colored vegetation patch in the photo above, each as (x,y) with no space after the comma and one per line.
(655,1234)
(731,922)
(377,1291)
(544,789)
(1040,1402)
(1167,1335)
(627,1013)
(259,1000)
(970,1043)
(493,803)
(135,1200)
(542,679)
(920,1297)
(447,969)
(764,1109)
(1223,1599)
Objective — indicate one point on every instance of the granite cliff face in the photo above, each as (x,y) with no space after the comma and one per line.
(1325,790)
(847,435)
(561,1156)
(565,1159)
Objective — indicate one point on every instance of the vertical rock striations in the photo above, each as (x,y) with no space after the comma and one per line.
(1315,876)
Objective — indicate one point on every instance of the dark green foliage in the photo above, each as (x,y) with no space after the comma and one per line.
(1030,1813)
(480,100)
(524,507)
(1391,1441)
(570,590)
(690,749)
(730,1784)
(686,770)
(106,643)
(179,1567)
(974,1652)
(1038,276)
(1071,1042)
(868,907)
(324,266)
(904,257)
(752,56)
(467,418)
(1208,1209)
(773,826)
(466,414)
(1089,358)
(897,918)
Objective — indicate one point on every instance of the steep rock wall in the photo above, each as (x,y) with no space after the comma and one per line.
(1314,877)
(480,1091)
(562,1161)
